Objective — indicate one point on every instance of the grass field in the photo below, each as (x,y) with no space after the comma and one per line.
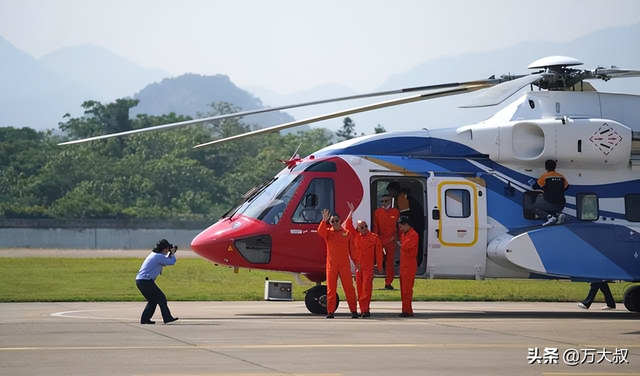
(113,279)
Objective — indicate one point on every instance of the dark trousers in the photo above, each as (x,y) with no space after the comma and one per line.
(542,208)
(604,287)
(155,297)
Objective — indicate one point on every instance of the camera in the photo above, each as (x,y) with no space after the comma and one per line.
(175,249)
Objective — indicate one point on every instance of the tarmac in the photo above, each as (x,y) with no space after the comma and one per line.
(268,338)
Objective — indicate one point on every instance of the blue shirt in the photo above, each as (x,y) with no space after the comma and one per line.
(153,264)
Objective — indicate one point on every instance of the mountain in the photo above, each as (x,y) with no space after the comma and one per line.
(107,74)
(33,95)
(193,94)
(37,93)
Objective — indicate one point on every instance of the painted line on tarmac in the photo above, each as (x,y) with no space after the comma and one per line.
(295,346)
(72,314)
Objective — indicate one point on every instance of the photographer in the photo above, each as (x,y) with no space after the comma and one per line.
(162,255)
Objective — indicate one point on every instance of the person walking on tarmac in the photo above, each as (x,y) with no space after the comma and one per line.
(384,224)
(408,264)
(339,252)
(606,291)
(368,250)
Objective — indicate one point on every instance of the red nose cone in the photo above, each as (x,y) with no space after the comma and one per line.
(216,243)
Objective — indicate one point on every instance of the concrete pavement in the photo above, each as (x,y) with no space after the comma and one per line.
(282,338)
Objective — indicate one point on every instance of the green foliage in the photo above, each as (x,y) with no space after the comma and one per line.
(144,175)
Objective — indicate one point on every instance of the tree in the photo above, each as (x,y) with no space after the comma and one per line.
(379,129)
(347,131)
(150,175)
(100,119)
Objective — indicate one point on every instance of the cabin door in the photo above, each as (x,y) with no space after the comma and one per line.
(457,230)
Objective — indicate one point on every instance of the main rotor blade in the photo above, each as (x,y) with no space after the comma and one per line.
(500,93)
(609,73)
(270,109)
(395,102)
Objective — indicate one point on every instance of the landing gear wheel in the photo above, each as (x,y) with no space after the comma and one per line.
(316,300)
(631,298)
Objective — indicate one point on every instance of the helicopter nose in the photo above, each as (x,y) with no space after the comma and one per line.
(211,243)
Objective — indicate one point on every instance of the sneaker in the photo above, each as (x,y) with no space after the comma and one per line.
(171,320)
(607,308)
(550,220)
(354,315)
(388,287)
(329,316)
(583,306)
(148,322)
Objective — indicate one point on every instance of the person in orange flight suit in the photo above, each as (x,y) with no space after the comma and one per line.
(384,224)
(339,251)
(368,249)
(408,264)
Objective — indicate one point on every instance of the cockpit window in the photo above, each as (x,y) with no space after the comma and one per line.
(319,195)
(269,204)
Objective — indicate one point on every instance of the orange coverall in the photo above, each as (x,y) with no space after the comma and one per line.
(339,249)
(384,224)
(408,268)
(368,248)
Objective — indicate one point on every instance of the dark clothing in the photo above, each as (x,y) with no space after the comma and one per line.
(542,208)
(604,287)
(155,297)
(553,186)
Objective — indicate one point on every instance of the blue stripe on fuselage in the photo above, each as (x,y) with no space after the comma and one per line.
(588,251)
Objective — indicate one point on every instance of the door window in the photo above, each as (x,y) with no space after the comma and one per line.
(457,203)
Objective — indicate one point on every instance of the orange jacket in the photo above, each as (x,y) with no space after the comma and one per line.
(339,244)
(368,248)
(384,224)
(408,250)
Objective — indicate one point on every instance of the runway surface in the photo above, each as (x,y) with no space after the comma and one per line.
(282,338)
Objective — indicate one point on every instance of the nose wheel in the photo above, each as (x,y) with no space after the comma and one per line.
(316,300)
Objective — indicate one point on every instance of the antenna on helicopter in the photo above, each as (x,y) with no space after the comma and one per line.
(293,159)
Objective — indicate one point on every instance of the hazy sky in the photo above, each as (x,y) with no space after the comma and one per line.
(291,45)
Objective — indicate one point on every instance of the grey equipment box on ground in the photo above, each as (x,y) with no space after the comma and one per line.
(277,290)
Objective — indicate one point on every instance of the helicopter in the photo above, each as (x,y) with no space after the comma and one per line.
(470,183)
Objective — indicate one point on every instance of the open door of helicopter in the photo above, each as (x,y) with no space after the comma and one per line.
(457,227)
(414,189)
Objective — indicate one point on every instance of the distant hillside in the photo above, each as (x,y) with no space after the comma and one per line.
(109,75)
(36,93)
(191,94)
(33,95)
